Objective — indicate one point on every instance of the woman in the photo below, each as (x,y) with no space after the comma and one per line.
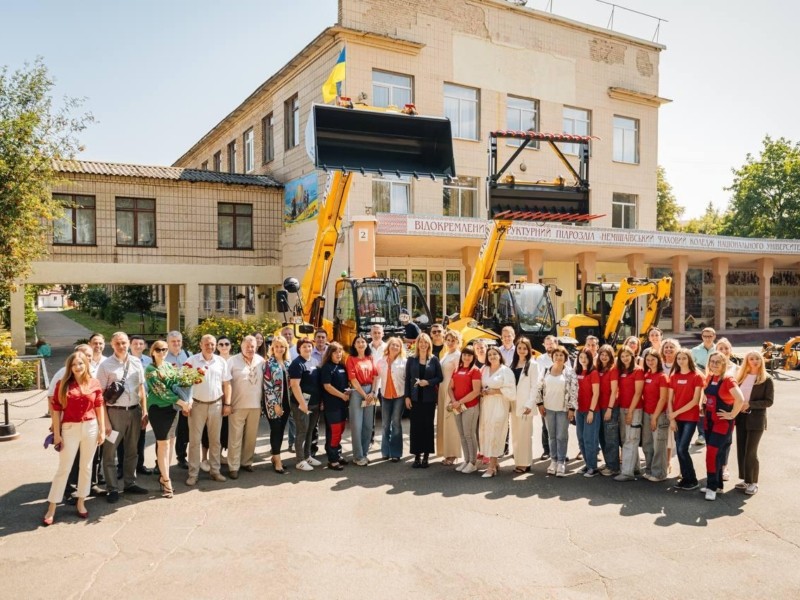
(261,345)
(635,345)
(78,423)
(479,346)
(629,396)
(335,396)
(683,400)
(499,389)
(588,417)
(423,376)
(526,376)
(724,346)
(655,422)
(276,397)
(609,430)
(392,375)
(363,375)
(723,401)
(465,394)
(758,393)
(669,349)
(163,406)
(654,340)
(305,400)
(448,442)
(557,400)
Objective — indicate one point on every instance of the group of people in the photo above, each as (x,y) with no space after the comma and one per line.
(470,405)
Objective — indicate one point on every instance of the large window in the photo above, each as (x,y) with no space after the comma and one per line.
(267,139)
(626,140)
(291,109)
(249,150)
(235,226)
(461,107)
(390,89)
(522,114)
(77,226)
(218,161)
(232,157)
(136,222)
(460,197)
(576,121)
(391,195)
(623,211)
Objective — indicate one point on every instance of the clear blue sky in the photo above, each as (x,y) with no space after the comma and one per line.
(158,75)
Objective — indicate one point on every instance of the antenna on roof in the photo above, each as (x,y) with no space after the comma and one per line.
(616,6)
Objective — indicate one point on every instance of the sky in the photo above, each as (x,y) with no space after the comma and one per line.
(159,74)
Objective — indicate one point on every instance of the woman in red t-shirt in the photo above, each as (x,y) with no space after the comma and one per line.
(465,396)
(609,431)
(587,419)
(78,425)
(362,374)
(655,422)
(631,382)
(683,400)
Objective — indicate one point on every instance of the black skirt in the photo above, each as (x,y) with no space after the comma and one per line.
(422,417)
(161,420)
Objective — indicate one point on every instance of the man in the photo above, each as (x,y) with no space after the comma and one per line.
(247,378)
(288,333)
(377,347)
(177,356)
(127,416)
(138,346)
(320,345)
(411,330)
(507,347)
(211,400)
(700,354)
(544,361)
(592,345)
(98,344)
(437,339)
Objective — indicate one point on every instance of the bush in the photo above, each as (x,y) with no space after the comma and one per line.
(14,374)
(233,328)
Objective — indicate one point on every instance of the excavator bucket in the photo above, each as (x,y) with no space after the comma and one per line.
(387,143)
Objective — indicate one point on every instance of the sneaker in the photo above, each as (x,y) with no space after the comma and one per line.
(711,495)
(218,477)
(741,485)
(191,481)
(469,468)
(182,464)
(653,478)
(205,466)
(726,475)
(752,489)
(700,441)
(303,466)
(606,472)
(584,469)
(561,470)
(460,468)
(687,485)
(591,473)
(545,456)
(313,461)
(623,477)
(362,462)
(551,470)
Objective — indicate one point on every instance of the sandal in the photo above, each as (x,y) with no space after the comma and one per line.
(520,470)
(166,487)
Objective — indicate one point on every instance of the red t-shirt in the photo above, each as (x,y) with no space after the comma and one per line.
(585,383)
(462,383)
(627,387)
(606,377)
(651,393)
(80,405)
(723,395)
(683,385)
(360,369)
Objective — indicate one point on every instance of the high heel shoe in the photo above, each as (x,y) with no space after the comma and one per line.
(47,521)
(489,472)
(280,470)
(166,487)
(84,514)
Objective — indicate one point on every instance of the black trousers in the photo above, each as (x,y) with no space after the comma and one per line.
(747,450)
(276,430)
(423,416)
(182,437)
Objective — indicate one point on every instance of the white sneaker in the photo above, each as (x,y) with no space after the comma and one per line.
(752,489)
(313,462)
(469,468)
(460,468)
(205,466)
(362,462)
(303,466)
(711,495)
(551,470)
(561,471)
(726,475)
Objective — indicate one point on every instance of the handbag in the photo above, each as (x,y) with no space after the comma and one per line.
(116,388)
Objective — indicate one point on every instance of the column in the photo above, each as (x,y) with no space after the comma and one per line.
(587,264)
(191,305)
(680,266)
(534,263)
(719,267)
(636,265)
(241,302)
(261,300)
(18,319)
(363,246)
(173,307)
(765,267)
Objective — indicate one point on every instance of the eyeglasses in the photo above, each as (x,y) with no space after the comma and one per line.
(159,349)
(224,344)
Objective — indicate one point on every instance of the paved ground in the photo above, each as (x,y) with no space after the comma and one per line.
(61,333)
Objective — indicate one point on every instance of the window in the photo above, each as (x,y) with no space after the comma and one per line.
(626,140)
(204,165)
(136,222)
(576,121)
(218,297)
(218,161)
(235,226)
(623,211)
(233,300)
(391,89)
(461,107)
(460,198)
(232,157)
(391,195)
(249,150)
(291,109)
(77,226)
(522,114)
(267,139)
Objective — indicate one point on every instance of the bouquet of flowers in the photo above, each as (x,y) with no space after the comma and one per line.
(185,377)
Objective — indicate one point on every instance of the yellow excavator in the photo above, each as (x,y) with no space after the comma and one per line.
(361,139)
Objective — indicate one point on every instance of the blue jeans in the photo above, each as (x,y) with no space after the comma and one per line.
(683,438)
(361,420)
(609,439)
(392,441)
(292,429)
(589,437)
(558,428)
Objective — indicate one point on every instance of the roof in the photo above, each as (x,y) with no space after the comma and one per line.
(89,167)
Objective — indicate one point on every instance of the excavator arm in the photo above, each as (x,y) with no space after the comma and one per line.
(657,292)
(483,275)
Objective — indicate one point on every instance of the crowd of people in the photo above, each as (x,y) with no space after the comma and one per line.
(471,405)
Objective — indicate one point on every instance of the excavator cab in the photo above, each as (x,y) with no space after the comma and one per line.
(525,307)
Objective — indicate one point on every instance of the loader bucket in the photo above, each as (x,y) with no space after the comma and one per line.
(387,143)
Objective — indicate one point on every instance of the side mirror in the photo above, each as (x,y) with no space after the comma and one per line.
(282,299)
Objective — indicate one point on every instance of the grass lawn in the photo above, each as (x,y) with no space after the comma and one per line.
(131,324)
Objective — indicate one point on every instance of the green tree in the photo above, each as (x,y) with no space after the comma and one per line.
(33,132)
(137,298)
(668,211)
(711,223)
(766,193)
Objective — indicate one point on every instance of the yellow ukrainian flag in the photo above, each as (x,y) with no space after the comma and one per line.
(332,87)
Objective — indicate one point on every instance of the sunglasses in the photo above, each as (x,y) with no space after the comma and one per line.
(159,349)
(224,344)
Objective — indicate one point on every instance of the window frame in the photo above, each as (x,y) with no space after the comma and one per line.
(392,87)
(533,144)
(456,123)
(204,165)
(232,156)
(217,161)
(291,110)
(636,129)
(236,216)
(136,212)
(573,149)
(618,201)
(459,195)
(392,182)
(69,202)
(249,150)
(268,139)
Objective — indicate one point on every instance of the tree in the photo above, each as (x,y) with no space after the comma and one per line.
(711,223)
(137,298)
(668,211)
(32,134)
(766,193)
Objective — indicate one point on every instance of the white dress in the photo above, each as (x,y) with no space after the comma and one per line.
(493,424)
(448,440)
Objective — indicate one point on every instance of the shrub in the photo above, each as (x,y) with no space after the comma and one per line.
(233,328)
(14,374)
